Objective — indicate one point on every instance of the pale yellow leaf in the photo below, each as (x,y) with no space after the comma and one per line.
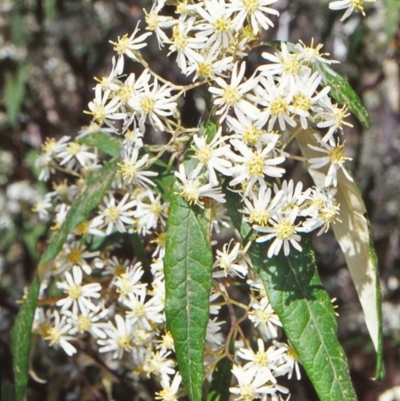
(353,236)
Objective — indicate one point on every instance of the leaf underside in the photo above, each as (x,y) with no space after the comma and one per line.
(354,238)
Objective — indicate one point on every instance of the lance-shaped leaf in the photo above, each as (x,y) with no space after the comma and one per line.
(354,238)
(305,310)
(344,94)
(187,266)
(21,339)
(108,144)
(97,184)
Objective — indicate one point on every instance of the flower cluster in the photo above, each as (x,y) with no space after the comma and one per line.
(118,304)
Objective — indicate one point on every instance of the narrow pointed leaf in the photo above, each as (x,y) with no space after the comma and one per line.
(97,184)
(221,381)
(187,266)
(354,238)
(344,94)
(304,308)
(91,195)
(108,144)
(21,339)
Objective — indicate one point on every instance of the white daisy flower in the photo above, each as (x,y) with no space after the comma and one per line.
(115,215)
(213,156)
(264,362)
(334,158)
(263,316)
(231,261)
(256,12)
(284,232)
(119,338)
(59,334)
(170,389)
(349,6)
(232,95)
(78,294)
(254,164)
(132,168)
(193,190)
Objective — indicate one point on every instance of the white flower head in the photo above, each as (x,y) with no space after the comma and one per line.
(193,190)
(78,294)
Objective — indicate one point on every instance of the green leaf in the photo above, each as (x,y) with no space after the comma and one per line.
(305,310)
(140,251)
(91,195)
(109,145)
(97,184)
(392,15)
(344,94)
(14,92)
(21,339)
(354,237)
(187,266)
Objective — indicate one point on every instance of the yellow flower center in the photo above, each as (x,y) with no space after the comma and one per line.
(152,21)
(339,115)
(75,256)
(75,292)
(49,145)
(231,96)
(191,194)
(165,395)
(83,228)
(74,148)
(147,105)
(278,106)
(124,285)
(262,315)
(285,229)
(112,213)
(122,45)
(247,393)
(255,165)
(252,134)
(301,102)
(155,208)
(180,39)
(336,154)
(139,310)
(259,216)
(83,323)
(251,5)
(222,24)
(99,114)
(328,215)
(204,155)
(358,4)
(261,359)
(160,239)
(54,335)
(128,170)
(125,93)
(292,65)
(124,342)
(205,69)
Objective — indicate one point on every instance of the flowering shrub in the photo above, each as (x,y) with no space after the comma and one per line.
(211,213)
